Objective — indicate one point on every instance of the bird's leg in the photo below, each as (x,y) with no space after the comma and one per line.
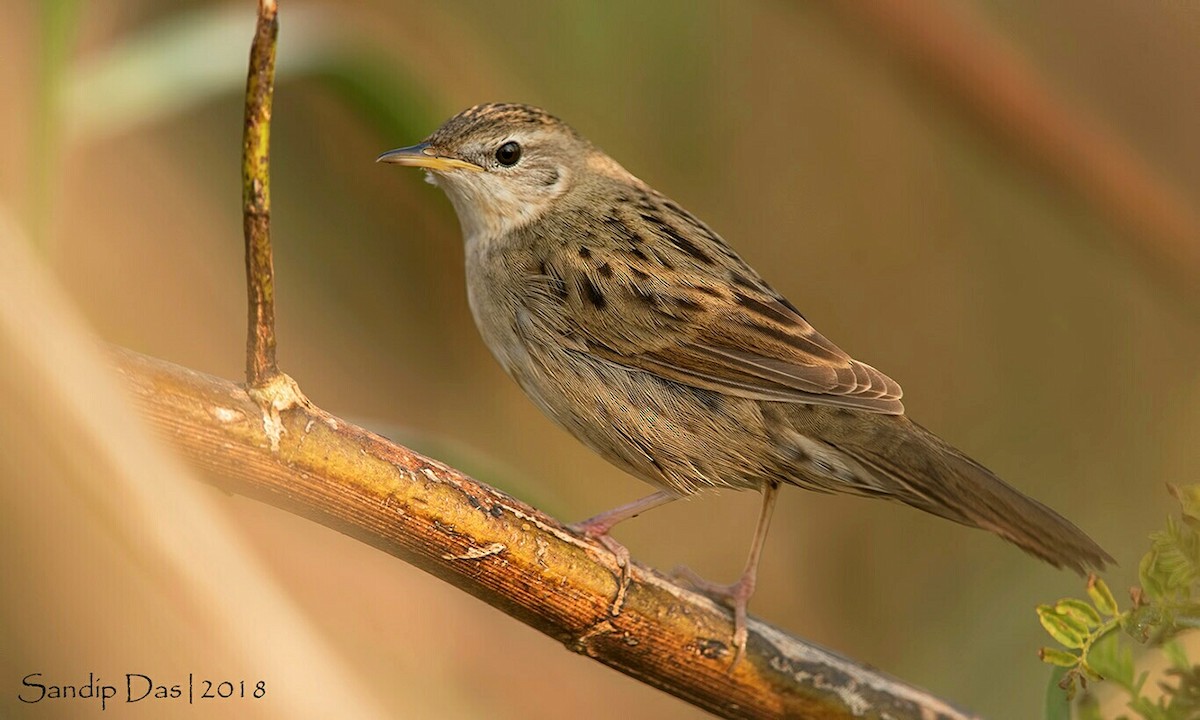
(738,594)
(597,528)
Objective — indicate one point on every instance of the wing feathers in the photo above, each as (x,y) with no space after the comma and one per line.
(690,310)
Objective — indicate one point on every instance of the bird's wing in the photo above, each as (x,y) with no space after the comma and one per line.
(654,289)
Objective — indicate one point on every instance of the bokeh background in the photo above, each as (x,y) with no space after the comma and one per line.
(999,243)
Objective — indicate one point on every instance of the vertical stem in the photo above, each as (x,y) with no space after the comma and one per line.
(256,200)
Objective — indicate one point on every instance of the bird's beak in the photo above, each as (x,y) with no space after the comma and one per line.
(423,156)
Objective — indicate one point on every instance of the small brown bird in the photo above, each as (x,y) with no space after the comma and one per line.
(634,326)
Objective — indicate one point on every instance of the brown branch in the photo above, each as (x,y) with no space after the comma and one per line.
(504,552)
(256,200)
(1004,94)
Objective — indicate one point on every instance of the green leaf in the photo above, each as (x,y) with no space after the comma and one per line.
(1058,706)
(1090,672)
(1151,578)
(1171,568)
(1101,596)
(1088,708)
(1140,683)
(1113,660)
(1176,653)
(1061,658)
(1189,502)
(1078,611)
(1147,709)
(1062,628)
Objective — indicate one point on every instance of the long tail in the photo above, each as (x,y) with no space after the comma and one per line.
(922,470)
(1018,518)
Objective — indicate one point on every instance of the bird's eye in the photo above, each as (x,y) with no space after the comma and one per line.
(508,154)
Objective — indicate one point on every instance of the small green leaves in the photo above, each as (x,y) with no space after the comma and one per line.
(1101,596)
(1062,627)
(1166,604)
(1172,567)
(1176,653)
(1079,611)
(1150,576)
(1189,502)
(1076,624)
(1061,658)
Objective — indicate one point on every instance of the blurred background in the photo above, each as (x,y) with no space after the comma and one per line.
(992,201)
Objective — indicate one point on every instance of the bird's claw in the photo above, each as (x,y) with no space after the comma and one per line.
(736,596)
(620,554)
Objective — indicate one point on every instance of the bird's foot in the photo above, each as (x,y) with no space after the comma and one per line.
(737,596)
(597,528)
(599,533)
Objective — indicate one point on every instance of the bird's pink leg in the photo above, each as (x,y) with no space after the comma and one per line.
(738,594)
(597,528)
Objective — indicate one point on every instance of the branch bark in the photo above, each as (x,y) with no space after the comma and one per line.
(256,199)
(304,460)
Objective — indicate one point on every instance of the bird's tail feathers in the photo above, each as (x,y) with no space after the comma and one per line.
(920,469)
(985,501)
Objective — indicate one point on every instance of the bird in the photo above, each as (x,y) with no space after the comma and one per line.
(638,329)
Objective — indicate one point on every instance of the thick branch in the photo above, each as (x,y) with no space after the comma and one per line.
(505,553)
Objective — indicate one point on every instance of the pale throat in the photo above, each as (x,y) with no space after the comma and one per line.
(490,210)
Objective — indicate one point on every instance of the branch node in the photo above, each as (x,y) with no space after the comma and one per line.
(278,394)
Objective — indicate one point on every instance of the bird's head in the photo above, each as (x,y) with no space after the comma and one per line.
(504,165)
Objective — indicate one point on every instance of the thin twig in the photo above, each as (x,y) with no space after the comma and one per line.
(256,200)
(506,553)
